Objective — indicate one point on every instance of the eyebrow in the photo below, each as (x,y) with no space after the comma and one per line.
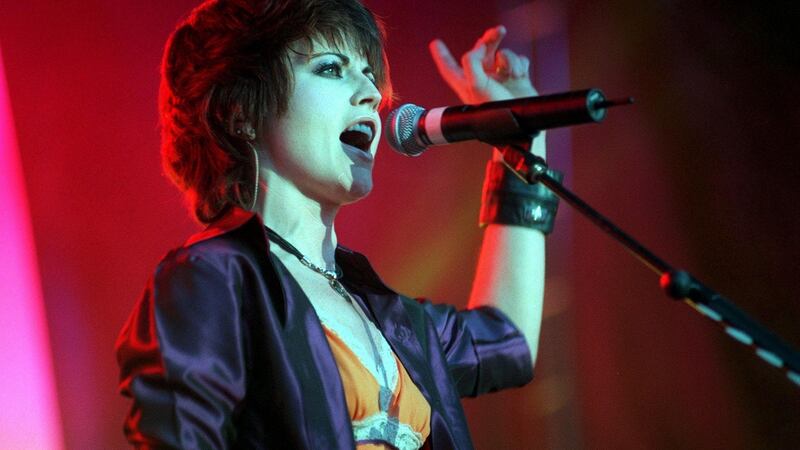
(345,59)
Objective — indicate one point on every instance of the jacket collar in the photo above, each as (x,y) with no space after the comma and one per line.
(356,267)
(231,220)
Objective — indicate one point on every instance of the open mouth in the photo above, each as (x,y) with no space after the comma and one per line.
(359,135)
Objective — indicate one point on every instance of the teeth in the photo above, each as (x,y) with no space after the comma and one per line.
(362,127)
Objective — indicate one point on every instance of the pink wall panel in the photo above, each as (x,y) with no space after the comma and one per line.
(30,417)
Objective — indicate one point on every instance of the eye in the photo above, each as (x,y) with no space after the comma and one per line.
(371,76)
(332,69)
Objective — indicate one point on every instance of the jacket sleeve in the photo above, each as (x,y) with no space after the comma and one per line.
(181,358)
(483,349)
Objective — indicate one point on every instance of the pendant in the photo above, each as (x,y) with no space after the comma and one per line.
(337,286)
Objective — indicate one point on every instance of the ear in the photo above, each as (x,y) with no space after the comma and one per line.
(240,127)
(244,129)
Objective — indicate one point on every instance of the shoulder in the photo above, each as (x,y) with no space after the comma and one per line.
(204,278)
(235,238)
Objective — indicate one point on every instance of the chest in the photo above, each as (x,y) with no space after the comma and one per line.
(341,313)
(343,317)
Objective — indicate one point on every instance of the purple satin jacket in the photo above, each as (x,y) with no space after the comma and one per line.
(223,350)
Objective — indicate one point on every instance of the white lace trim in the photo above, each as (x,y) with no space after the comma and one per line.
(363,350)
(382,427)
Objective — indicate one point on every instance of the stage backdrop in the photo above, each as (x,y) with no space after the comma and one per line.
(702,169)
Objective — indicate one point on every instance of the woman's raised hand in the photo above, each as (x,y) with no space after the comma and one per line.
(485,73)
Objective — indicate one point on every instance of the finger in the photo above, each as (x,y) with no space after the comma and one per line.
(503,65)
(525,66)
(445,63)
(512,65)
(472,63)
(491,40)
(518,67)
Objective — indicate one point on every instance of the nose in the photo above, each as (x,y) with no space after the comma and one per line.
(366,93)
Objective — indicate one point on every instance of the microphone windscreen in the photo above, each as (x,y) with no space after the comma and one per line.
(402,133)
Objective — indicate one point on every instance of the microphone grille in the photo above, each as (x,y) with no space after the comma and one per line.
(402,124)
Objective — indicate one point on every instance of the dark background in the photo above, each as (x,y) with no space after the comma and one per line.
(703,169)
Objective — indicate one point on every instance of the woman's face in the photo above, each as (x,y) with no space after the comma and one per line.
(326,141)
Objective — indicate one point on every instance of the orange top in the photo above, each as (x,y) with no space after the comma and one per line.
(404,426)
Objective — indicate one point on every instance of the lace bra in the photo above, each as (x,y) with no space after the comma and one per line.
(402,420)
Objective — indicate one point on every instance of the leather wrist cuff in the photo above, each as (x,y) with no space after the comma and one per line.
(508,200)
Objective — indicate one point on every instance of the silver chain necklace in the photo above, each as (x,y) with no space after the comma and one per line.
(333,276)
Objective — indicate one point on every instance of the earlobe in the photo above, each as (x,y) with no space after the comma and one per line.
(240,127)
(243,129)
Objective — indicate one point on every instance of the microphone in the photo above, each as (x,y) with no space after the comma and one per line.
(412,129)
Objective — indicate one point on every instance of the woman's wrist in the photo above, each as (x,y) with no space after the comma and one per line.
(508,200)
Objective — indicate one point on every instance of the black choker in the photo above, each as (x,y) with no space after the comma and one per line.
(332,276)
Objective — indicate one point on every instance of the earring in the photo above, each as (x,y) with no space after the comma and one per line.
(257,170)
(251,133)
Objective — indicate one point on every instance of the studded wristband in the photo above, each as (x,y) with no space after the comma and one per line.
(508,200)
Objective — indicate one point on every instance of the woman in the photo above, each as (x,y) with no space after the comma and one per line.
(261,331)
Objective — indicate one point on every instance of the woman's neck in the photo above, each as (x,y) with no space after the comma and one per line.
(305,223)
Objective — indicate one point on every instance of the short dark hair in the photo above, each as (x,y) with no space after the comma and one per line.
(228,61)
